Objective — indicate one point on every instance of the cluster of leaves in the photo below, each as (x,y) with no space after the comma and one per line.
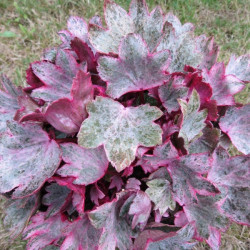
(120,139)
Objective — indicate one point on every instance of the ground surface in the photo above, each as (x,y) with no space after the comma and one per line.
(27,27)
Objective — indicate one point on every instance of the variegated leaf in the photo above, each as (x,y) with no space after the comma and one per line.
(110,217)
(155,239)
(18,214)
(239,67)
(28,157)
(224,86)
(85,165)
(121,130)
(188,181)
(135,69)
(120,24)
(193,120)
(160,192)
(231,175)
(171,91)
(56,198)
(8,101)
(236,124)
(57,79)
(206,216)
(148,25)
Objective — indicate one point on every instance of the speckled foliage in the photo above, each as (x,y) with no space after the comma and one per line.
(120,138)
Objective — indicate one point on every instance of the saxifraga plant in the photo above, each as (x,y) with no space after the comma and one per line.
(120,139)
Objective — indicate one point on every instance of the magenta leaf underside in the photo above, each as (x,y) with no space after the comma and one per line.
(121,138)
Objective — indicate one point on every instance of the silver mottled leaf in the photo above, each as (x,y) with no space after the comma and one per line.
(193,120)
(28,157)
(121,130)
(135,69)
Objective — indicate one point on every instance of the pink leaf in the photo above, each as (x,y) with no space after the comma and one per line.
(65,114)
(96,194)
(180,219)
(171,91)
(78,27)
(8,101)
(162,155)
(84,53)
(116,182)
(154,238)
(224,86)
(57,79)
(140,209)
(133,183)
(57,230)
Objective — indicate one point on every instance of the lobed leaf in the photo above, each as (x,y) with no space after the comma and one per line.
(116,229)
(8,101)
(121,130)
(224,86)
(188,181)
(140,209)
(56,198)
(136,69)
(206,143)
(160,192)
(120,23)
(56,79)
(148,25)
(57,230)
(85,165)
(184,48)
(162,155)
(206,216)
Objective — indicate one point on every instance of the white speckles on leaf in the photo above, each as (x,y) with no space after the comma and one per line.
(28,157)
(135,69)
(236,124)
(121,130)
(193,120)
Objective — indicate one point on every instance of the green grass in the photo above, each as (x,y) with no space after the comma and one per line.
(27,27)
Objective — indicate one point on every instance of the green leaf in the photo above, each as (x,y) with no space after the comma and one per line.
(121,130)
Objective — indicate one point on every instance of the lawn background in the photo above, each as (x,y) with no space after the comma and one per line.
(27,27)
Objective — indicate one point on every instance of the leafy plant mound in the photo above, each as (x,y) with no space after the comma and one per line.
(120,139)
